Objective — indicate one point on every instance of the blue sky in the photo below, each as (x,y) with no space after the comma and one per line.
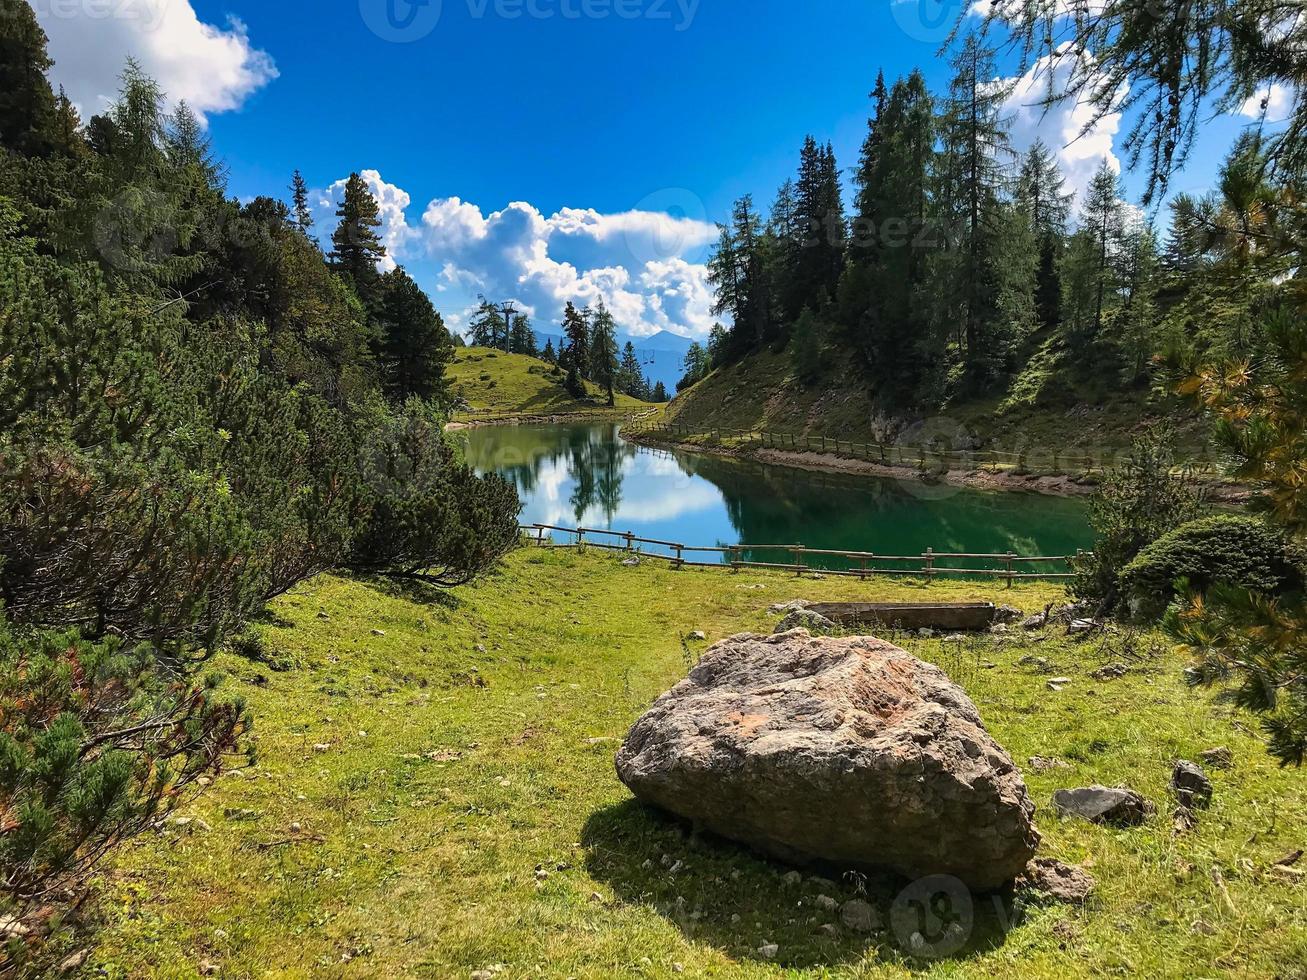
(539,150)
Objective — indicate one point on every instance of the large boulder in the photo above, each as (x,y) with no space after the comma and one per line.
(848,751)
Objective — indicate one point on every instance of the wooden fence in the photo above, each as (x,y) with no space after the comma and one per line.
(862,564)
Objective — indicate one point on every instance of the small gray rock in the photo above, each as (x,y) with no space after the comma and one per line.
(1007,614)
(860,916)
(1101,804)
(826,903)
(794,605)
(768,951)
(698,636)
(1063,882)
(791,879)
(631,562)
(804,619)
(1191,785)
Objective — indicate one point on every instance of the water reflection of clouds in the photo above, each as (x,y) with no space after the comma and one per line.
(551,502)
(588,475)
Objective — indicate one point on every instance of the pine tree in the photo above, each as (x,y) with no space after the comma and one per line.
(1103,218)
(972,174)
(1041,194)
(808,345)
(549,355)
(415,345)
(299,192)
(630,377)
(188,146)
(603,351)
(576,329)
(356,247)
(817,256)
(487,327)
(27,103)
(659,395)
(880,299)
(522,339)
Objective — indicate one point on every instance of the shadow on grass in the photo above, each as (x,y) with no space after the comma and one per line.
(719,893)
(412,590)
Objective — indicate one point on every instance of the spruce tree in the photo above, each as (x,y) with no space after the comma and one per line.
(356,247)
(1102,217)
(415,346)
(522,339)
(299,195)
(1041,194)
(630,376)
(27,103)
(972,174)
(603,351)
(576,329)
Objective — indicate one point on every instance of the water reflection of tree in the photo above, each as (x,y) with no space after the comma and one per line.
(595,459)
(777,505)
(592,455)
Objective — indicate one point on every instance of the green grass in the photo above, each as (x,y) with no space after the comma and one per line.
(470,741)
(492,381)
(1042,411)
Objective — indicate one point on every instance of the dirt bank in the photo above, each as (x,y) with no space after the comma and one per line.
(981,479)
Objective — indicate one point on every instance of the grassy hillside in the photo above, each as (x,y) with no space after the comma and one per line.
(490,380)
(762,392)
(435,797)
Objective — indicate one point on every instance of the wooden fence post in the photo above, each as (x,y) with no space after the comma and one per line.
(680,558)
(929,559)
(1010,556)
(580,539)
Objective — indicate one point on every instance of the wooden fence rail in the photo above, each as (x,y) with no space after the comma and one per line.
(861,562)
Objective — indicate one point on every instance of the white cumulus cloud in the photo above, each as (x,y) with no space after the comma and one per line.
(639,263)
(214,68)
(1069,128)
(1275,100)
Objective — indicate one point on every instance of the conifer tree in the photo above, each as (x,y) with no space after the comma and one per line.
(415,346)
(299,192)
(549,355)
(972,174)
(188,146)
(27,103)
(522,339)
(630,376)
(603,351)
(356,247)
(576,329)
(1102,218)
(1041,194)
(659,393)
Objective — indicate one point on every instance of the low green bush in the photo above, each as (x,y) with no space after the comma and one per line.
(97,743)
(1228,549)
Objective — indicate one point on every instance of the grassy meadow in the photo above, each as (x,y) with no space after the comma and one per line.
(499,383)
(435,797)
